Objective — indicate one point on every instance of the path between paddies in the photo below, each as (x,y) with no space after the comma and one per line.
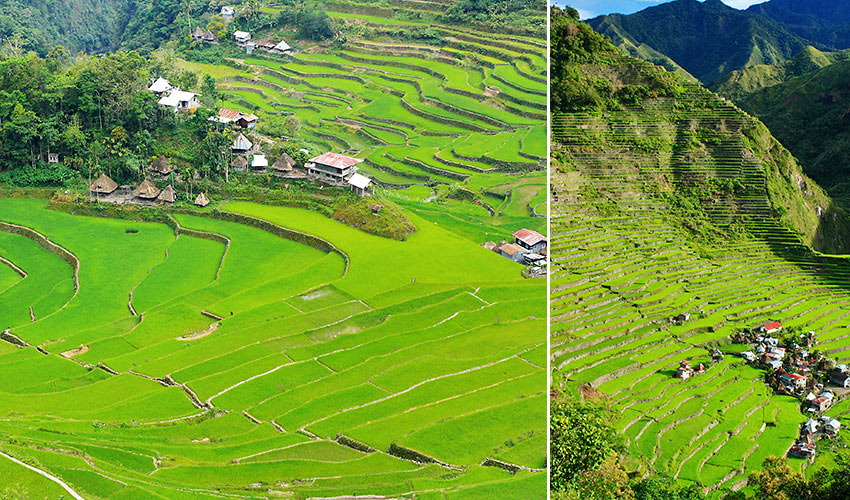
(47,475)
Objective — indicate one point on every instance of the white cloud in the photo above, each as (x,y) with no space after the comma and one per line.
(586,14)
(742,4)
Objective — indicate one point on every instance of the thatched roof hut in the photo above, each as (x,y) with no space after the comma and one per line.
(239,163)
(202,200)
(161,166)
(168,195)
(103,185)
(283,164)
(146,190)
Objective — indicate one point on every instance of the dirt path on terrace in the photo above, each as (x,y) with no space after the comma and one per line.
(76,352)
(199,335)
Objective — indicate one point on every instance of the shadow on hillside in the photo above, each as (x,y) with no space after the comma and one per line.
(829,266)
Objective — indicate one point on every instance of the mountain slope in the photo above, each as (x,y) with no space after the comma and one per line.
(706,39)
(679,203)
(810,115)
(87,25)
(823,21)
(739,84)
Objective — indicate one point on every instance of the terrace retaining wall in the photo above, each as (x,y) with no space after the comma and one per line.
(289,234)
(48,245)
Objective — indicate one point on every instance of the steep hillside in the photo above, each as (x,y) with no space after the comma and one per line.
(87,25)
(824,21)
(706,39)
(740,84)
(681,204)
(809,115)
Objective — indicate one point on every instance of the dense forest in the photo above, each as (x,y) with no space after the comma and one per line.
(96,113)
(79,25)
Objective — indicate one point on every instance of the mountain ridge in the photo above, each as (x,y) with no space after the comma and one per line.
(709,39)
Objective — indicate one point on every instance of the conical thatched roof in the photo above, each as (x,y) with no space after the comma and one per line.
(239,162)
(168,195)
(103,185)
(161,166)
(146,190)
(285,163)
(197,32)
(202,200)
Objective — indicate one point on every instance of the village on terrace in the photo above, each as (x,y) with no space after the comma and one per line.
(793,367)
(250,153)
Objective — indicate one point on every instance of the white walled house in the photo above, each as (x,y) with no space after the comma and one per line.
(180,100)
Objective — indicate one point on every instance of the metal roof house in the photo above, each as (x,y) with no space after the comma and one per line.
(332,167)
(511,251)
(180,100)
(241,36)
(160,86)
(282,47)
(241,144)
(259,162)
(360,185)
(771,327)
(228,12)
(530,240)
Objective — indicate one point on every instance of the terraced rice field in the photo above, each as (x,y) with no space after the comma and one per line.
(210,358)
(470,111)
(622,268)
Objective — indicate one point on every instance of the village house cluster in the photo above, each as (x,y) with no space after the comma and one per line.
(794,370)
(146,193)
(330,168)
(529,248)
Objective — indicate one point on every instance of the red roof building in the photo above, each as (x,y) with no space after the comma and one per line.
(774,326)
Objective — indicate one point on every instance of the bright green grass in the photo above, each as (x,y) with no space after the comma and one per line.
(20,482)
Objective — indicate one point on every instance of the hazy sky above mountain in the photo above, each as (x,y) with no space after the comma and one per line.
(593,8)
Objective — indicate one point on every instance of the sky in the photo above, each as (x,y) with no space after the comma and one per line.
(593,8)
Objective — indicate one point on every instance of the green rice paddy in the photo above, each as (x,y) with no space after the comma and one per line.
(314,372)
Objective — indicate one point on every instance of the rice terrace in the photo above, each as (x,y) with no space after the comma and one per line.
(257,350)
(686,293)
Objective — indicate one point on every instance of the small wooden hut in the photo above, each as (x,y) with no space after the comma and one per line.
(239,163)
(202,200)
(161,166)
(283,166)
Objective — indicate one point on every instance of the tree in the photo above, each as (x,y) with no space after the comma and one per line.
(186,80)
(218,26)
(209,94)
(777,480)
(315,23)
(582,438)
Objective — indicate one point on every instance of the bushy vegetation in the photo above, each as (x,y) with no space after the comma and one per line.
(575,43)
(586,461)
(105,120)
